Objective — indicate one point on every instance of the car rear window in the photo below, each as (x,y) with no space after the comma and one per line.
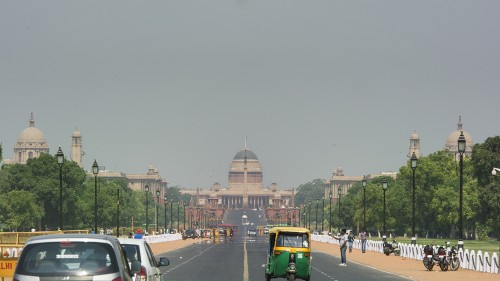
(67,259)
(132,252)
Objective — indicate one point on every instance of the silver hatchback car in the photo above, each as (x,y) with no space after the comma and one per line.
(74,257)
(139,250)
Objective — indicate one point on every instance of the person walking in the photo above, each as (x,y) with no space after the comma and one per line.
(350,240)
(362,237)
(343,246)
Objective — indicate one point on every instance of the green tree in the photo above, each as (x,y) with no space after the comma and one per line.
(40,177)
(19,210)
(485,156)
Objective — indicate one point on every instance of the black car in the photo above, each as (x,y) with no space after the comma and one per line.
(189,233)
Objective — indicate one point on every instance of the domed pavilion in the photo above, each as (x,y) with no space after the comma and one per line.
(30,144)
(452,141)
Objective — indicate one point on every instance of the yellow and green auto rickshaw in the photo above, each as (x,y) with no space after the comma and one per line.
(289,253)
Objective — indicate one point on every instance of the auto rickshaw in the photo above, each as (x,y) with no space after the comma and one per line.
(289,253)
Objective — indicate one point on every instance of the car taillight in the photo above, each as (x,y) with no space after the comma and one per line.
(143,274)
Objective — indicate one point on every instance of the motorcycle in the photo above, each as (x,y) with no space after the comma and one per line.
(431,258)
(392,248)
(452,257)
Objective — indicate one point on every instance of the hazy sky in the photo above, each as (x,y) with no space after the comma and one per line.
(313,84)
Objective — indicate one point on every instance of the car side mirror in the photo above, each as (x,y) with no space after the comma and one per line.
(135,267)
(164,262)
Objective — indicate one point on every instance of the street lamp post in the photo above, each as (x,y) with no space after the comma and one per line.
(300,208)
(309,215)
(322,213)
(413,161)
(340,195)
(330,222)
(190,217)
(384,187)
(171,220)
(60,162)
(146,189)
(157,208)
(165,206)
(95,171)
(178,215)
(184,215)
(316,228)
(364,202)
(118,212)
(461,150)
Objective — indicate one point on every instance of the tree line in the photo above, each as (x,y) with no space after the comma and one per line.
(436,198)
(29,198)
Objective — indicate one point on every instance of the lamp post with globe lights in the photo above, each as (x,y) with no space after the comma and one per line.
(322,213)
(60,162)
(165,200)
(171,220)
(339,191)
(494,171)
(461,151)
(330,222)
(413,161)
(316,227)
(95,171)
(157,208)
(364,202)
(384,187)
(146,192)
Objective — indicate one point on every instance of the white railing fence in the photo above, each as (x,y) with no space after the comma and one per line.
(471,260)
(162,238)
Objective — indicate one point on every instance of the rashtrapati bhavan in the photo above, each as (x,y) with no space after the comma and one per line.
(245,187)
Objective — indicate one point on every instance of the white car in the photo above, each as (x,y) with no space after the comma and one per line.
(139,250)
(74,257)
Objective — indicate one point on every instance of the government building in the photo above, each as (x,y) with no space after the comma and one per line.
(245,190)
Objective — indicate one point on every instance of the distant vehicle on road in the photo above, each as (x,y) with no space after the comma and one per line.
(139,250)
(189,233)
(252,232)
(74,257)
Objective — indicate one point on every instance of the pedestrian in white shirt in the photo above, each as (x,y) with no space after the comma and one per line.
(343,246)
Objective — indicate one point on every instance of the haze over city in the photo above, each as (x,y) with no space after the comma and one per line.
(313,86)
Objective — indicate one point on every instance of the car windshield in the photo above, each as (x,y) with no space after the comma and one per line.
(290,239)
(67,259)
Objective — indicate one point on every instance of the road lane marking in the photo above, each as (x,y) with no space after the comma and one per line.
(245,261)
(195,256)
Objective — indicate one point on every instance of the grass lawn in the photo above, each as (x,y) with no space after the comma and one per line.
(491,246)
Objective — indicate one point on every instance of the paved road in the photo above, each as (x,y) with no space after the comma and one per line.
(226,261)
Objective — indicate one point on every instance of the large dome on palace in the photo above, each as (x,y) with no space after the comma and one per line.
(30,144)
(31,134)
(452,140)
(245,153)
(243,173)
